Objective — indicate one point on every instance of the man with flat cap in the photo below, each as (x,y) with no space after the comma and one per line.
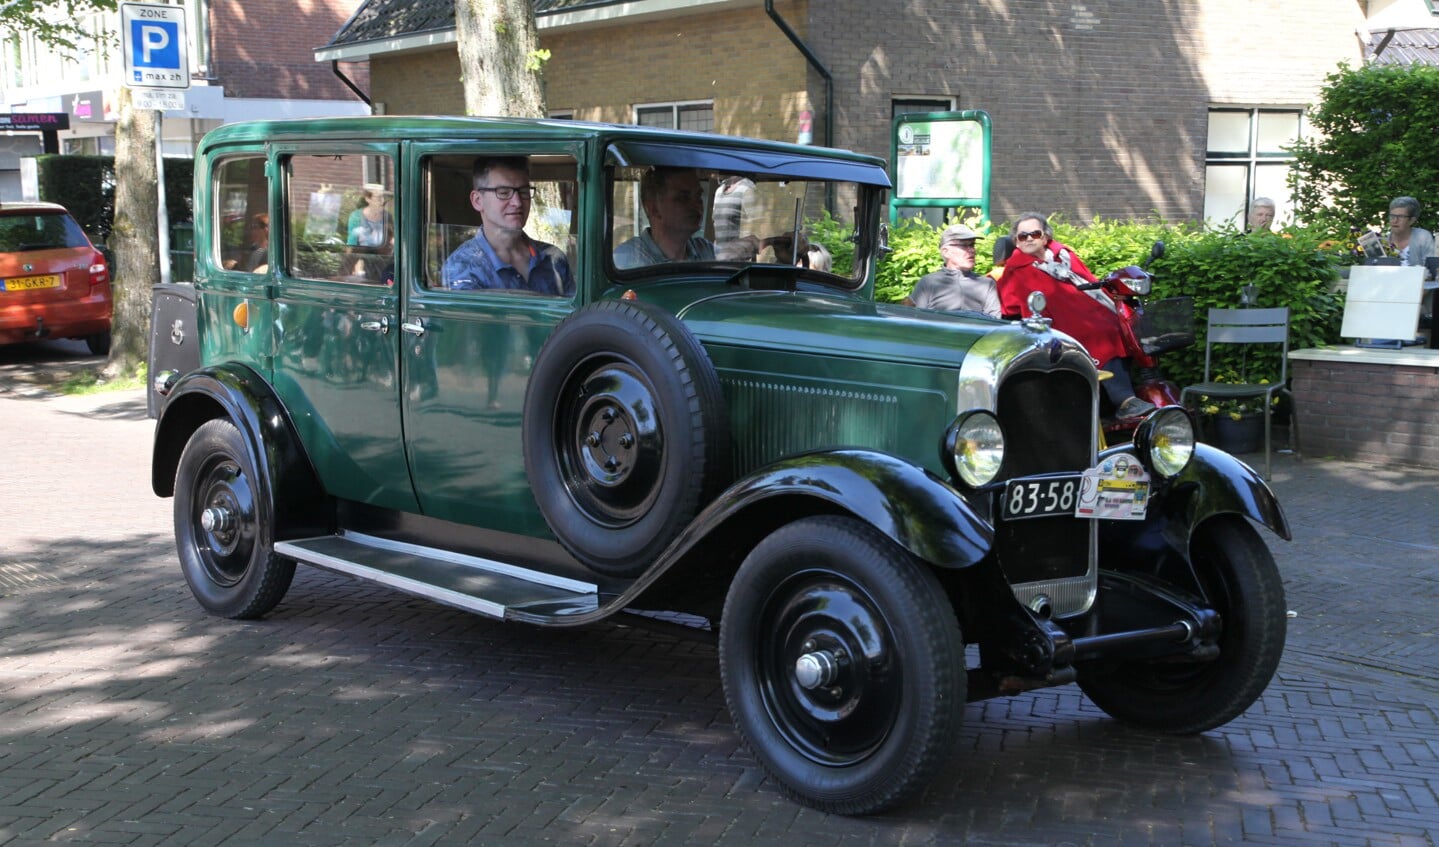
(956,287)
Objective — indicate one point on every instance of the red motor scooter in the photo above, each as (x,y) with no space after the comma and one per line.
(1149,330)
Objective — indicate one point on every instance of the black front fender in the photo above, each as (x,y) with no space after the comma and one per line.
(913,507)
(237,393)
(1213,483)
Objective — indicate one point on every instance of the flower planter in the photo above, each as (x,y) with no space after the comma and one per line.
(1245,435)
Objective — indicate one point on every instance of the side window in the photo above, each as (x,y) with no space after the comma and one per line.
(240,238)
(474,204)
(339,217)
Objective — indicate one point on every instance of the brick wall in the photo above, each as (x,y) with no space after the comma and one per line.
(418,83)
(1374,412)
(1098,108)
(266,48)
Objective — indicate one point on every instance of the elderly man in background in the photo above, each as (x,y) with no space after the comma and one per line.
(956,287)
(1261,215)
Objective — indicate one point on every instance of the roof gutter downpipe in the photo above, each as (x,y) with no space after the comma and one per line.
(350,84)
(819,67)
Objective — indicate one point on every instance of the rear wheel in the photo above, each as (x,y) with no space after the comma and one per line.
(99,343)
(1240,581)
(843,665)
(223,531)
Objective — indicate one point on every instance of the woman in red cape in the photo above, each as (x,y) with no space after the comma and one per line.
(1042,264)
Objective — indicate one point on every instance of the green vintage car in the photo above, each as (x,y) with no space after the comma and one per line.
(728,437)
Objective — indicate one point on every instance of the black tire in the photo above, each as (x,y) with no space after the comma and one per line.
(625,433)
(867,735)
(99,343)
(231,566)
(1241,582)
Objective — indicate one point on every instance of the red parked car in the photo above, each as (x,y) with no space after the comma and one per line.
(53,282)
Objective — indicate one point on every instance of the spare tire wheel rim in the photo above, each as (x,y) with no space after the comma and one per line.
(612,446)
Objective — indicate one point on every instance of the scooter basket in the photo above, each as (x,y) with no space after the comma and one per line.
(1166,325)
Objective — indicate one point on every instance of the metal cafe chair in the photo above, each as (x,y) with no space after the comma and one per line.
(1249,327)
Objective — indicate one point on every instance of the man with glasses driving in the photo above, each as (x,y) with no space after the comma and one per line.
(501,255)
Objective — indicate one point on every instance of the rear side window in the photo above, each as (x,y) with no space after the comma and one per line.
(45,231)
(242,232)
(339,217)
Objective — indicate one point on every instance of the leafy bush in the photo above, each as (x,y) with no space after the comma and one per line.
(1294,268)
(1286,269)
(1375,141)
(85,185)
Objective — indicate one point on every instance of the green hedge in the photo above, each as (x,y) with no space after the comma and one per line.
(85,185)
(1294,268)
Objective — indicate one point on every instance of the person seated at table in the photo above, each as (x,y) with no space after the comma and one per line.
(501,255)
(1039,263)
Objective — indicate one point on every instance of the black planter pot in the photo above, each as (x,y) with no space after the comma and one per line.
(1245,435)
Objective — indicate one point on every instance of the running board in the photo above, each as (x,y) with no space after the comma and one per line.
(477,585)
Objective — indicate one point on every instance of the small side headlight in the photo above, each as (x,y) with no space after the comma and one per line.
(973,449)
(1165,440)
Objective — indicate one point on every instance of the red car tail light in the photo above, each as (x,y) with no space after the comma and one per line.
(99,272)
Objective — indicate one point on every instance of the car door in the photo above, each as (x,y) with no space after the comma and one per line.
(467,354)
(336,319)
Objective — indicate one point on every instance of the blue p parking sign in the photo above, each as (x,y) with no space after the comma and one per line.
(155,46)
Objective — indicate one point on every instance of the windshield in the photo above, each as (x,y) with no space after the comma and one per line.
(669,215)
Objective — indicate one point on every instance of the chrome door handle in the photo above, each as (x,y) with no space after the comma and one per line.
(413,327)
(381,326)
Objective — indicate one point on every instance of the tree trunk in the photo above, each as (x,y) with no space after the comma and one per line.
(134,236)
(499,59)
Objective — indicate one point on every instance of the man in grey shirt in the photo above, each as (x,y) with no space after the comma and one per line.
(956,287)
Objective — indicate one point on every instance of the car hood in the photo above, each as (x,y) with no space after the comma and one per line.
(831,325)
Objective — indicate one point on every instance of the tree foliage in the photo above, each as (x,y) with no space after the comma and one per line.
(1378,139)
(59,24)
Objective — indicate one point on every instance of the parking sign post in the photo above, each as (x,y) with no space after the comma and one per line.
(157,63)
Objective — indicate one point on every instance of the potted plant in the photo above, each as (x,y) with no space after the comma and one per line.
(1233,424)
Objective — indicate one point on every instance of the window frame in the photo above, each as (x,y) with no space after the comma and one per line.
(675,107)
(1251,160)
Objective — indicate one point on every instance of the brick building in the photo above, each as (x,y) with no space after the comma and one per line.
(1121,108)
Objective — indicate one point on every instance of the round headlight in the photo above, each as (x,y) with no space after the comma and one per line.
(1165,440)
(974,448)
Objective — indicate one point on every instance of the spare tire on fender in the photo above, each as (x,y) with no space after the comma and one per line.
(626,436)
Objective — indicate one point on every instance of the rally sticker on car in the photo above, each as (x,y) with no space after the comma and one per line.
(1116,489)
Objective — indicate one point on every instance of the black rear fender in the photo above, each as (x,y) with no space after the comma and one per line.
(286,477)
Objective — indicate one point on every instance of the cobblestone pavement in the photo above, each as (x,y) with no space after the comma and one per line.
(357,716)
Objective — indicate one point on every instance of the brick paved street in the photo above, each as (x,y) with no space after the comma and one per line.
(354,715)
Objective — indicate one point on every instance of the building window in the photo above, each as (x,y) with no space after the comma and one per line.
(699,117)
(1246,157)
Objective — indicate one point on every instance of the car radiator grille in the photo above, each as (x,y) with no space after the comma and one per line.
(1049,423)
(800,418)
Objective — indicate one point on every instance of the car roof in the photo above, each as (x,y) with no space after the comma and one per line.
(861,167)
(30,207)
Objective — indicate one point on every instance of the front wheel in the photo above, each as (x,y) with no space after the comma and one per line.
(843,665)
(223,532)
(1240,581)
